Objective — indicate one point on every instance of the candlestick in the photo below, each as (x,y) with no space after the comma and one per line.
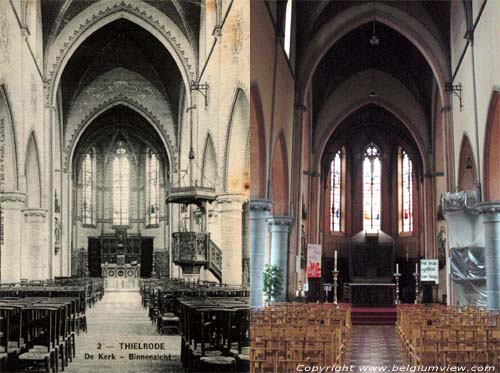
(397,267)
(335,261)
(417,287)
(397,275)
(335,283)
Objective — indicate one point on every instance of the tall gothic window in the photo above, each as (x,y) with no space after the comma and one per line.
(288,27)
(121,171)
(371,188)
(336,192)
(406,193)
(87,190)
(153,187)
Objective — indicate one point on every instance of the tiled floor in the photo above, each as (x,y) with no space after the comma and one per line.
(120,318)
(375,346)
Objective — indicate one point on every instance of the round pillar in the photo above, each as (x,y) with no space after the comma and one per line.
(36,252)
(279,226)
(259,213)
(231,243)
(10,255)
(490,212)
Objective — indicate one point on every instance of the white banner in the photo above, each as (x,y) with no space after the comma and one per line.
(429,270)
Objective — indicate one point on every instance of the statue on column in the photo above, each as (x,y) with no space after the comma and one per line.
(303,241)
(441,240)
(57,206)
(57,235)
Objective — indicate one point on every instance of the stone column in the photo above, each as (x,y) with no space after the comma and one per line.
(279,226)
(231,242)
(35,261)
(12,204)
(259,213)
(490,212)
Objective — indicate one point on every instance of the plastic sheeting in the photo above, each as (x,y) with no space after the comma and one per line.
(466,242)
(468,273)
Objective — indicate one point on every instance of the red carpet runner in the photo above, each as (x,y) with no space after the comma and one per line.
(373,315)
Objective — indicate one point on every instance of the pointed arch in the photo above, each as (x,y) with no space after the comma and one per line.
(32,173)
(411,28)
(394,98)
(101,14)
(74,140)
(236,175)
(279,177)
(209,167)
(467,173)
(9,157)
(492,149)
(258,165)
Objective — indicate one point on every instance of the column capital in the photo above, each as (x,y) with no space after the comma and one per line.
(280,222)
(12,200)
(261,205)
(231,198)
(488,207)
(35,212)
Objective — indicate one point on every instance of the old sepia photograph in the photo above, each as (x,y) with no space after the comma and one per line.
(375,173)
(124,185)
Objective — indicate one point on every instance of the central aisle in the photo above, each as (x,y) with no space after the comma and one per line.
(375,346)
(120,318)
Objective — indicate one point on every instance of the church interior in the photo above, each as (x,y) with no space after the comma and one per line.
(374,184)
(125,152)
(236,185)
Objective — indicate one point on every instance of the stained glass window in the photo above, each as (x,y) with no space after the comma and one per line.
(121,170)
(371,188)
(407,192)
(154,187)
(87,175)
(288,27)
(336,192)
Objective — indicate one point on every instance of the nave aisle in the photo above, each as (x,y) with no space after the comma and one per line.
(120,318)
(375,346)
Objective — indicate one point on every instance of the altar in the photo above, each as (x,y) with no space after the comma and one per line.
(367,294)
(121,277)
(371,267)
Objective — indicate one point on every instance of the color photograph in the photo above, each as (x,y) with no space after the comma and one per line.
(375,176)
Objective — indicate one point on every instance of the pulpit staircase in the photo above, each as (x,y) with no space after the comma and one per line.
(194,250)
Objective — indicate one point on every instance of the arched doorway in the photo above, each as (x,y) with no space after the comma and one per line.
(35,260)
(236,172)
(492,150)
(467,174)
(12,200)
(233,203)
(120,171)
(279,177)
(32,174)
(258,164)
(122,100)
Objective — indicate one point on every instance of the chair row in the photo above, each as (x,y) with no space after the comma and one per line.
(215,333)
(39,332)
(90,290)
(286,335)
(213,320)
(449,336)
